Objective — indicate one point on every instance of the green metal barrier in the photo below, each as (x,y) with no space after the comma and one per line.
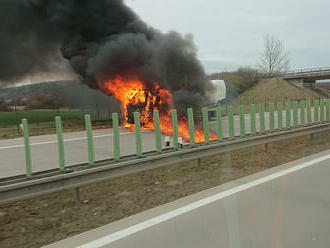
(175,129)
(138,134)
(322,111)
(27,148)
(302,113)
(288,115)
(253,130)
(316,111)
(309,112)
(262,117)
(295,114)
(279,115)
(328,110)
(241,113)
(230,113)
(219,123)
(158,132)
(116,139)
(90,144)
(206,125)
(191,124)
(271,117)
(60,142)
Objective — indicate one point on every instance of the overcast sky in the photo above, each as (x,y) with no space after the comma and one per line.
(229,33)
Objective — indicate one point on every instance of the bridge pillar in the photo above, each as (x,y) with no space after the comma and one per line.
(309,84)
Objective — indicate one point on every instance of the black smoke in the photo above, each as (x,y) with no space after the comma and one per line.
(101,39)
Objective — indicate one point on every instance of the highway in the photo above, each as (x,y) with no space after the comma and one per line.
(286,206)
(44,148)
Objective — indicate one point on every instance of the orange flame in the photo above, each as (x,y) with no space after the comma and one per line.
(136,97)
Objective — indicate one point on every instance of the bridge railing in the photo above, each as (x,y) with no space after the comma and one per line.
(307,71)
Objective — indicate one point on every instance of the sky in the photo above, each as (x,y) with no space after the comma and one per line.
(230,34)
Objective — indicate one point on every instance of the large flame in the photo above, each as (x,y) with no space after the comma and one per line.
(135,96)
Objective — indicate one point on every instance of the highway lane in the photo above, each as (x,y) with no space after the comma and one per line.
(44,148)
(286,206)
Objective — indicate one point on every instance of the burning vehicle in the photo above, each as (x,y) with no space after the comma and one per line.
(114,51)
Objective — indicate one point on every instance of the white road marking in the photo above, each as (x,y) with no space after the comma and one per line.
(195,205)
(66,140)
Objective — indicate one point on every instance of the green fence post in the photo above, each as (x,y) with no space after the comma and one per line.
(328,110)
(316,111)
(241,113)
(262,117)
(175,129)
(27,148)
(309,112)
(191,124)
(138,134)
(288,115)
(116,139)
(302,113)
(253,119)
(158,132)
(60,142)
(295,114)
(271,117)
(90,143)
(219,123)
(279,115)
(206,125)
(231,122)
(322,111)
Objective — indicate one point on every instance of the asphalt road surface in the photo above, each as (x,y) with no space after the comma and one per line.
(44,148)
(286,206)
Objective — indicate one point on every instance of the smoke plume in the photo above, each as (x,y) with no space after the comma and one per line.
(101,39)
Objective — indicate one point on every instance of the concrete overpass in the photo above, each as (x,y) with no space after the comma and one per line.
(307,78)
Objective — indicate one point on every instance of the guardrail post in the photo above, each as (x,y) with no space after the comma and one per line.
(206,125)
(116,139)
(138,134)
(158,132)
(262,117)
(322,111)
(191,124)
(88,126)
(231,122)
(328,110)
(279,115)
(288,115)
(302,113)
(27,148)
(316,111)
(219,123)
(60,142)
(271,117)
(253,119)
(241,112)
(175,129)
(295,114)
(309,112)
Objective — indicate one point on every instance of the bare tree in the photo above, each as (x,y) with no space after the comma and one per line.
(274,60)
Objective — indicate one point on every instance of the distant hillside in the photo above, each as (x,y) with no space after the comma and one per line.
(77,95)
(272,90)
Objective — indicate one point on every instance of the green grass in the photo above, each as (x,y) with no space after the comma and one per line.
(10,118)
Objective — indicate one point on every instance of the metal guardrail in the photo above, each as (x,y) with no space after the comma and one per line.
(35,184)
(20,188)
